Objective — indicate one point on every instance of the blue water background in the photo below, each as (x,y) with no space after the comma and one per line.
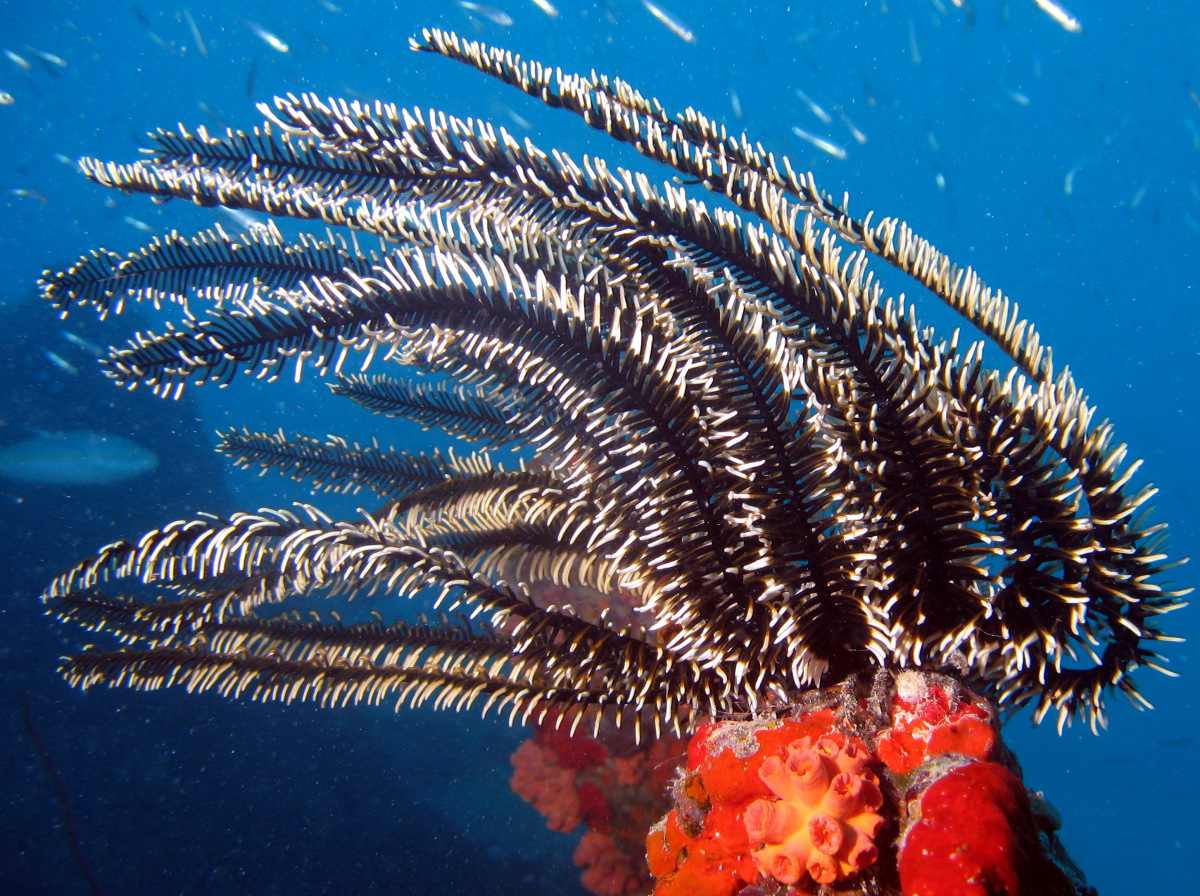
(975,125)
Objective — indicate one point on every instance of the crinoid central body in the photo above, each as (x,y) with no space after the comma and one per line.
(772,473)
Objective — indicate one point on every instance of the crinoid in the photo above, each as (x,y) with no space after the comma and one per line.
(782,474)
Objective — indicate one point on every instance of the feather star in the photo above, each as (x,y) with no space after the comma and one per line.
(774,473)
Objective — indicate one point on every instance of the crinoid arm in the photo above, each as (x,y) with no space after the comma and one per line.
(778,472)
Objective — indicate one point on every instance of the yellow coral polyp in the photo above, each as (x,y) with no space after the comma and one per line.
(822,822)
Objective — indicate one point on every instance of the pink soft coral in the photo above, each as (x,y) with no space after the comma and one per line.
(575,779)
(547,786)
(607,868)
(822,822)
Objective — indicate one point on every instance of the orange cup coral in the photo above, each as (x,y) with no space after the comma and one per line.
(794,802)
(823,820)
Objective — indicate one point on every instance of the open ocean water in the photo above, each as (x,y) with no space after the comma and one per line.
(1064,167)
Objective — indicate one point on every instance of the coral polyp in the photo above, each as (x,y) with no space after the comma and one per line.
(823,816)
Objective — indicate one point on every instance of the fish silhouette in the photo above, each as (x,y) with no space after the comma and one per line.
(75,457)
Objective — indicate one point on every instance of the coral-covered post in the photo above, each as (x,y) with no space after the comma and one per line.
(905,792)
(893,786)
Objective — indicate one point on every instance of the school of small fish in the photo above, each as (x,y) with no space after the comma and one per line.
(28,60)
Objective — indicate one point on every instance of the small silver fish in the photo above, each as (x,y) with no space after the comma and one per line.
(47,57)
(826,146)
(1193,130)
(6,98)
(86,344)
(855,132)
(195,29)
(165,44)
(266,37)
(1138,196)
(244,219)
(735,103)
(491,13)
(813,107)
(1016,96)
(674,24)
(148,24)
(547,7)
(29,193)
(1060,14)
(1069,179)
(60,362)
(868,92)
(76,457)
(19,61)
(207,110)
(519,120)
